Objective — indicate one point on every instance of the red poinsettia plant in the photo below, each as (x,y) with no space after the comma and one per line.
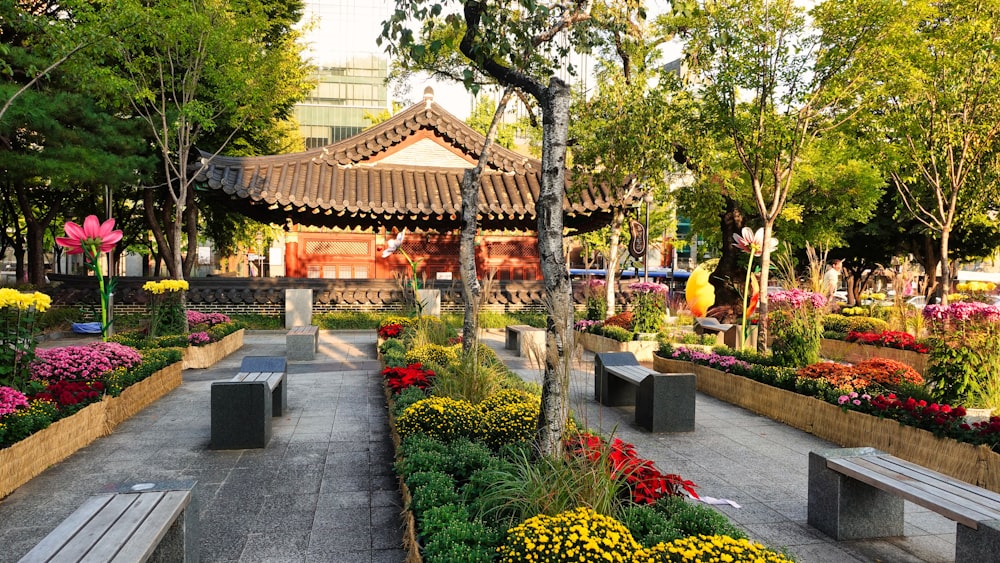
(413,375)
(644,480)
(390,331)
(889,339)
(68,393)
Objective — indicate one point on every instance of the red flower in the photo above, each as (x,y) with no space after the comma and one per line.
(390,331)
(413,375)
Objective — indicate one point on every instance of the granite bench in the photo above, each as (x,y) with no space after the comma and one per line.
(242,407)
(664,402)
(726,334)
(141,525)
(525,339)
(302,342)
(858,493)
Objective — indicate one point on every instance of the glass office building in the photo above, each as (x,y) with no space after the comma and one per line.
(350,72)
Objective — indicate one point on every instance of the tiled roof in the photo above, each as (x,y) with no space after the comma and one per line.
(346,184)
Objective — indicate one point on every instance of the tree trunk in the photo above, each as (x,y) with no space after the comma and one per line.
(611,271)
(191,228)
(731,267)
(471,288)
(162,233)
(35,234)
(554,101)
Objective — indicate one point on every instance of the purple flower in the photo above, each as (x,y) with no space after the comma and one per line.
(198,338)
(796,298)
(88,362)
(648,287)
(10,400)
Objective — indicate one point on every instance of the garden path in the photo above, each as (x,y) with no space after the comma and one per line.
(322,490)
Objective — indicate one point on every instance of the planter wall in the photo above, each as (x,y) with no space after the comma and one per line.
(29,457)
(199,357)
(854,352)
(974,464)
(644,350)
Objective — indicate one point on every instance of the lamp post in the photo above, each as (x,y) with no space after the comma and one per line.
(648,198)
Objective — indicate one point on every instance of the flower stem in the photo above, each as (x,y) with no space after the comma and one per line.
(746,298)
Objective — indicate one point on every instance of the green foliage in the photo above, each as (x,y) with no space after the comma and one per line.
(424,331)
(448,535)
(349,320)
(17,342)
(467,378)
(796,336)
(691,519)
(492,319)
(597,309)
(24,422)
(153,360)
(429,489)
(259,322)
(405,398)
(615,332)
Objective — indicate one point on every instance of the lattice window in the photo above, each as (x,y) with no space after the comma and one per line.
(313,272)
(338,247)
(431,248)
(513,249)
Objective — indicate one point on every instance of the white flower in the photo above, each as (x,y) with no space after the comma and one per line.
(394,244)
(753,242)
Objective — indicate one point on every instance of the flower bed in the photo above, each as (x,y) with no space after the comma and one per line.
(199,357)
(856,352)
(643,349)
(974,464)
(29,457)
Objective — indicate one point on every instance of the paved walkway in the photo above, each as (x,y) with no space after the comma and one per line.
(323,489)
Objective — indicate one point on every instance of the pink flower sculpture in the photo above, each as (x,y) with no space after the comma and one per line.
(93,237)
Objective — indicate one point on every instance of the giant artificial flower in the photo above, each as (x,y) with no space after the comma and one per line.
(699,292)
(753,242)
(394,244)
(94,236)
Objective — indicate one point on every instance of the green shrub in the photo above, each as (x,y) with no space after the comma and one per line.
(796,336)
(648,526)
(219,331)
(392,345)
(449,536)
(465,457)
(252,321)
(348,320)
(693,519)
(493,319)
(442,418)
(405,398)
(836,323)
(617,333)
(429,489)
(466,378)
(420,453)
(24,422)
(153,360)
(866,324)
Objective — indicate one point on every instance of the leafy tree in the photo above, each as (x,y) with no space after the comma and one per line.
(621,133)
(194,71)
(769,84)
(934,93)
(481,119)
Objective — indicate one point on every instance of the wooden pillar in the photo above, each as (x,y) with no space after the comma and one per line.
(293,269)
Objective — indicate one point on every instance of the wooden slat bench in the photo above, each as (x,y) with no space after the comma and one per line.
(154,525)
(302,342)
(525,339)
(726,334)
(858,493)
(664,402)
(242,407)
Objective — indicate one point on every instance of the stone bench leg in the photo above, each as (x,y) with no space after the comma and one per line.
(978,545)
(511,342)
(241,415)
(301,346)
(608,389)
(279,398)
(665,403)
(846,509)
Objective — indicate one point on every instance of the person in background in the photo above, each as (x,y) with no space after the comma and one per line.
(831,279)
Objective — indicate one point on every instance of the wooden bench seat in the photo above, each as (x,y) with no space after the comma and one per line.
(664,402)
(859,492)
(302,343)
(154,525)
(242,407)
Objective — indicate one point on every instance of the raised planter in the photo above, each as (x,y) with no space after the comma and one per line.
(29,457)
(974,464)
(854,352)
(199,357)
(643,349)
